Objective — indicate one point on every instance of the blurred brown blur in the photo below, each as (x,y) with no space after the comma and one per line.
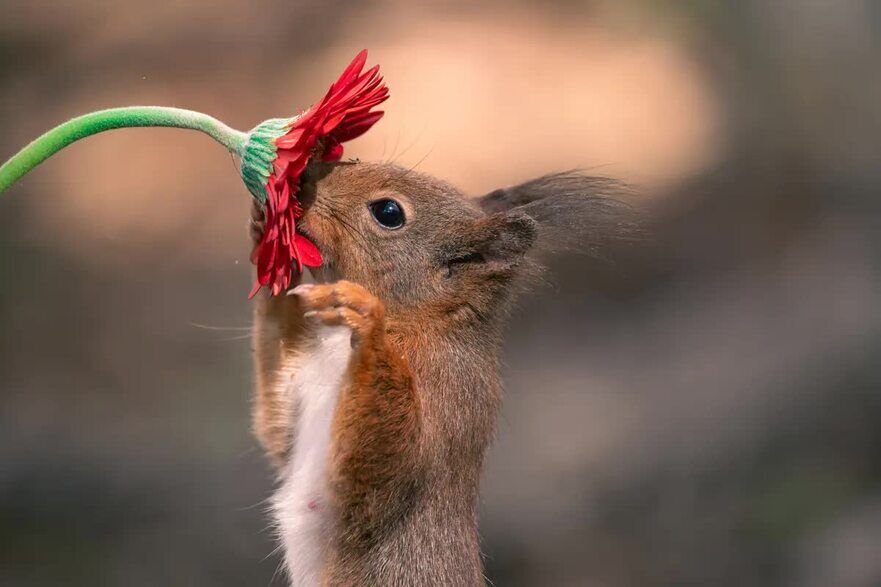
(702,414)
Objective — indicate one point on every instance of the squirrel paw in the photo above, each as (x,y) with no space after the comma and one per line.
(342,303)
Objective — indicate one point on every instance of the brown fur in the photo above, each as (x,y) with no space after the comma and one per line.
(426,304)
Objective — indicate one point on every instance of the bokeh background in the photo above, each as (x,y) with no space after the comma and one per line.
(707,412)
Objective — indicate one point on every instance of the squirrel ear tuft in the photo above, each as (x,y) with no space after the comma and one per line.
(494,244)
(574,211)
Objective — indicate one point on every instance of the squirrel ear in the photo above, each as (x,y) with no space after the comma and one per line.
(493,245)
(574,211)
(549,187)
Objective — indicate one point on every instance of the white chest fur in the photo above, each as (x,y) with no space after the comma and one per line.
(300,505)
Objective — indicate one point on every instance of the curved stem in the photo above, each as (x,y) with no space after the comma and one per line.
(83,126)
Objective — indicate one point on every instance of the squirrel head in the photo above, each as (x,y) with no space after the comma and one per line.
(422,246)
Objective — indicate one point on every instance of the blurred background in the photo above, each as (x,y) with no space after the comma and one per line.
(706,413)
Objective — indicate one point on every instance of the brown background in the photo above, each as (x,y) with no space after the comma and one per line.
(703,414)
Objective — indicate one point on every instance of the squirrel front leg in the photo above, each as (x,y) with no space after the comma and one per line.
(376,428)
(278,333)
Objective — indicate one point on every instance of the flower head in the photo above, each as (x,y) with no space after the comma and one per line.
(277,153)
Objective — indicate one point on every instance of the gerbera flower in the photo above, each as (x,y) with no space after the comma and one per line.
(274,155)
(277,153)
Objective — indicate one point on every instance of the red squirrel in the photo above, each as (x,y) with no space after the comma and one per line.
(377,387)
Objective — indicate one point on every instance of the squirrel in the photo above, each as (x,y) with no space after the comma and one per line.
(377,386)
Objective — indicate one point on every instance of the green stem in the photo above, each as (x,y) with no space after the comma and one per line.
(83,126)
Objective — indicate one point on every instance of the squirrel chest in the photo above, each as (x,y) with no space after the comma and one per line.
(301,507)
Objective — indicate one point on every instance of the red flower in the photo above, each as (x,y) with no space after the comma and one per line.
(343,114)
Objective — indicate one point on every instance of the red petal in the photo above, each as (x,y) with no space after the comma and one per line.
(307,252)
(352,71)
(358,127)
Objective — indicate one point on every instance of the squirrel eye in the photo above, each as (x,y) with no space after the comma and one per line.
(388,213)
